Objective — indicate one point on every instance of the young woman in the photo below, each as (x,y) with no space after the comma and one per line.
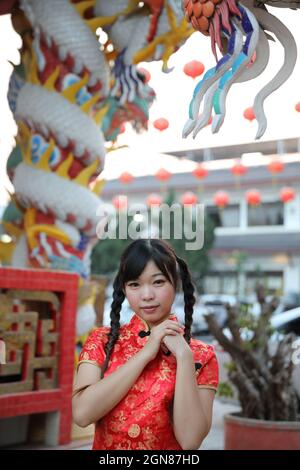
(147,384)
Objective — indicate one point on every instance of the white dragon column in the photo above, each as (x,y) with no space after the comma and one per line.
(57,96)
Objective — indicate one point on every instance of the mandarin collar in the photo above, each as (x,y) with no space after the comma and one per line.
(137,324)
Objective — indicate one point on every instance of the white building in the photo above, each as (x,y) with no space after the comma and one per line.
(266,239)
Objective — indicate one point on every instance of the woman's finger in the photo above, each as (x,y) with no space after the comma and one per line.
(169,331)
(175,328)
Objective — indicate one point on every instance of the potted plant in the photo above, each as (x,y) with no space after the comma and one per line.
(261,369)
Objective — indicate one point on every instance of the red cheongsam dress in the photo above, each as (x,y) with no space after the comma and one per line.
(142,419)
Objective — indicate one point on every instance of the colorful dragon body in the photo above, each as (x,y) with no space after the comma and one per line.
(57,97)
(68,100)
(73,91)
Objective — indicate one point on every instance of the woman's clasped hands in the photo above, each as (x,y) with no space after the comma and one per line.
(168,335)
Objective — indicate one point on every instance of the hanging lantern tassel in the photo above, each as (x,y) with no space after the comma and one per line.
(238,170)
(163,176)
(154,200)
(275,167)
(287,195)
(221,199)
(189,199)
(253,198)
(120,202)
(200,172)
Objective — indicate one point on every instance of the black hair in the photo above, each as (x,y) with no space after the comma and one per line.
(133,262)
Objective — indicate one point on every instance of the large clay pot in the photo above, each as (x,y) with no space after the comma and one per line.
(254,434)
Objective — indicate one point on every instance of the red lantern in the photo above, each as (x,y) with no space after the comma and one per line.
(126,177)
(161,124)
(287,195)
(249,114)
(297,107)
(200,172)
(253,197)
(221,199)
(194,68)
(154,200)
(189,199)
(162,175)
(238,169)
(275,167)
(120,202)
(146,74)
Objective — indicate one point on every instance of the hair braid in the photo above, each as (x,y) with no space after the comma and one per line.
(189,298)
(118,298)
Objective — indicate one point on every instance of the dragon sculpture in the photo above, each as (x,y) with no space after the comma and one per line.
(78,83)
(69,96)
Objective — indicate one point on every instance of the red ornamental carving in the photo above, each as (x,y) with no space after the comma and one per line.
(238,169)
(287,195)
(154,200)
(200,172)
(253,197)
(162,175)
(194,68)
(40,345)
(189,199)
(126,177)
(221,199)
(249,114)
(120,202)
(146,74)
(161,124)
(275,167)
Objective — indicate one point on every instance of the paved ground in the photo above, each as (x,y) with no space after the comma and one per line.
(215,439)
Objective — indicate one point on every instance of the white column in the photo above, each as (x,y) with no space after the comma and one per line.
(243,214)
(291,279)
(52,428)
(292,213)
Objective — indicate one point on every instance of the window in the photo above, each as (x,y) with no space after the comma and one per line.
(212,284)
(272,281)
(221,283)
(227,217)
(268,213)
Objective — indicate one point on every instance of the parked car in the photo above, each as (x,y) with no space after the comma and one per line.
(207,303)
(289,301)
(287,322)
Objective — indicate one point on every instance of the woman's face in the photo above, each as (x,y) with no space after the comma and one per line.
(151,295)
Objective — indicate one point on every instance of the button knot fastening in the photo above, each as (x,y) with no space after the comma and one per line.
(143,333)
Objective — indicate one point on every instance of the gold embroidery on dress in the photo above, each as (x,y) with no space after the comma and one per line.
(134,430)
